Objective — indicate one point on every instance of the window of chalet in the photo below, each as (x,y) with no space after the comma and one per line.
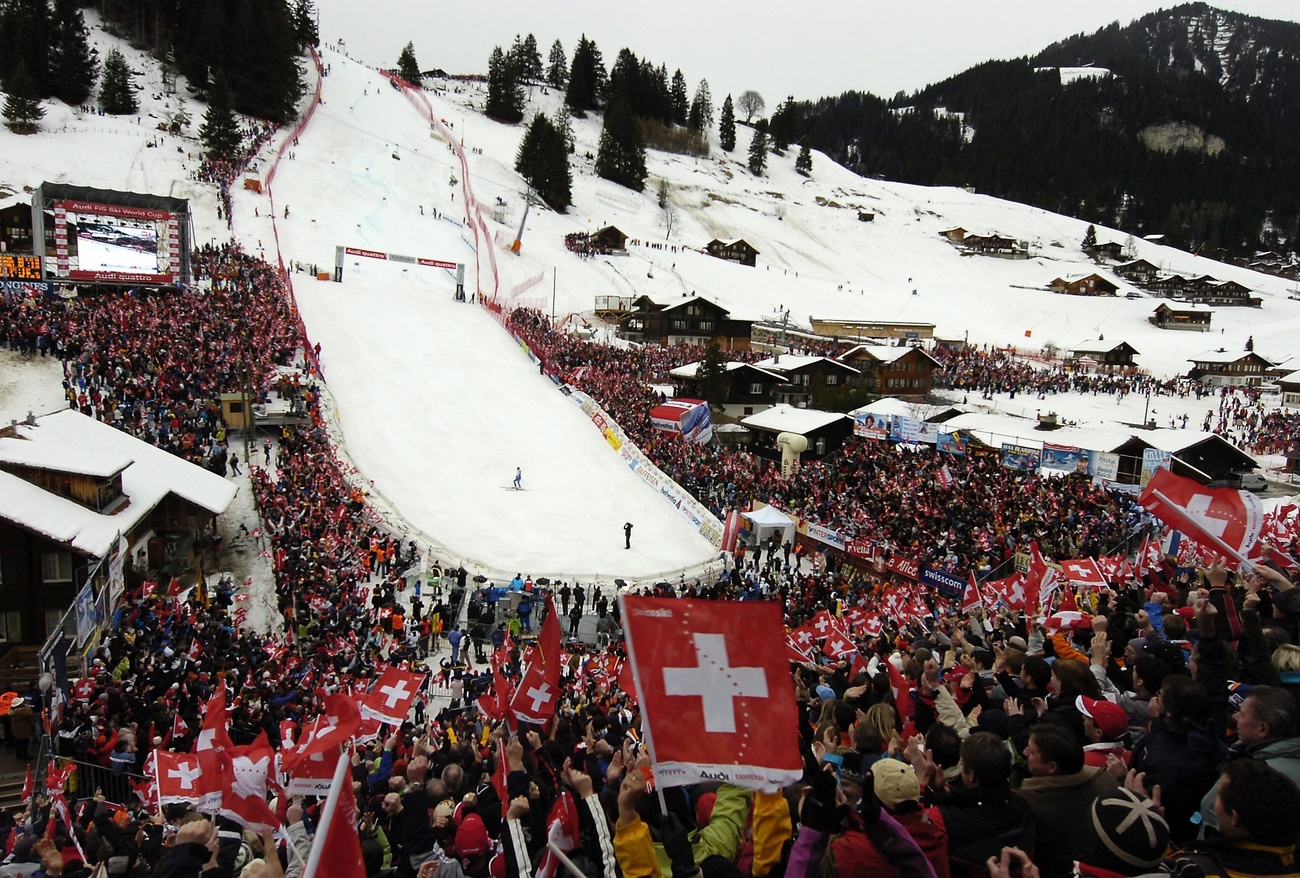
(832,380)
(56,567)
(706,325)
(679,325)
(755,388)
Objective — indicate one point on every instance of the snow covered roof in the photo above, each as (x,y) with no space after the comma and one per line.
(892,405)
(689,370)
(789,419)
(1099,345)
(1292,378)
(994,430)
(791,362)
(150,475)
(1185,306)
(882,352)
(82,461)
(1223,356)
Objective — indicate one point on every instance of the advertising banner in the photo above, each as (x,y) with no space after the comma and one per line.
(952,443)
(1153,460)
(1020,457)
(941,580)
(905,429)
(870,426)
(1063,458)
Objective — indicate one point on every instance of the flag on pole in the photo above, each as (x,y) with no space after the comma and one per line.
(714,679)
(1225,521)
(336,849)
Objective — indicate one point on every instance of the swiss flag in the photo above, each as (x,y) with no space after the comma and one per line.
(823,624)
(393,696)
(837,646)
(538,693)
(196,649)
(1040,583)
(1084,572)
(902,692)
(179,727)
(340,722)
(713,678)
(804,638)
(313,775)
(1225,521)
(83,689)
(562,828)
(971,597)
(178,777)
(213,745)
(243,787)
(336,849)
(794,653)
(626,683)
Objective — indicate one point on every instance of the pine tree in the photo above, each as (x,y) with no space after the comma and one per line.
(621,157)
(407,67)
(531,61)
(117,89)
(803,164)
(263,47)
(727,126)
(505,98)
(219,132)
(711,376)
(680,104)
(304,24)
(557,74)
(1090,238)
(564,124)
(28,43)
(586,77)
(22,110)
(783,125)
(543,161)
(72,61)
(701,115)
(758,149)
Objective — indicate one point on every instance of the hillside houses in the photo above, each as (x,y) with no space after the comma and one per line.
(1195,318)
(1204,289)
(1085,285)
(1232,368)
(992,244)
(739,250)
(1102,354)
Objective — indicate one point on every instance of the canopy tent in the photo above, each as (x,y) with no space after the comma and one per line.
(769,520)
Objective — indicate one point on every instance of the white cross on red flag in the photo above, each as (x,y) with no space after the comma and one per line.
(178,777)
(1084,572)
(714,687)
(1226,521)
(538,693)
(393,696)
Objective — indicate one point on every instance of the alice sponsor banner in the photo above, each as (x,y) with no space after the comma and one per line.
(1020,457)
(952,443)
(1063,458)
(903,566)
(949,583)
(870,426)
(914,430)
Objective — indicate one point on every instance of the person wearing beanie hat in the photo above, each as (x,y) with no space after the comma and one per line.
(1105,726)
(1124,834)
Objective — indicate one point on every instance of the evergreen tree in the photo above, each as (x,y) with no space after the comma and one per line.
(803,164)
(586,77)
(783,126)
(701,115)
(1090,238)
(530,60)
(22,110)
(621,157)
(219,132)
(711,376)
(727,126)
(117,89)
(758,149)
(263,47)
(28,43)
(407,67)
(564,124)
(1250,343)
(680,104)
(557,74)
(543,161)
(304,24)
(505,98)
(72,61)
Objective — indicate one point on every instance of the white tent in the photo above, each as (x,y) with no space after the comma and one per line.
(769,520)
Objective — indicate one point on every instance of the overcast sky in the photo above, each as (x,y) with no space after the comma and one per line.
(776,49)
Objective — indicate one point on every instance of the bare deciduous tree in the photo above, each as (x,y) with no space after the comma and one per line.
(751,104)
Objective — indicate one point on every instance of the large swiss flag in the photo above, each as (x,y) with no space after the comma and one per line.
(715,691)
(1225,521)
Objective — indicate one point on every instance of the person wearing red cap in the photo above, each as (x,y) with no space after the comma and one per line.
(1105,727)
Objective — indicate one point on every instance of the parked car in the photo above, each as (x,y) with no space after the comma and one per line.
(1250,481)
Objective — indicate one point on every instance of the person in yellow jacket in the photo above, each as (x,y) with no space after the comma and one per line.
(639,856)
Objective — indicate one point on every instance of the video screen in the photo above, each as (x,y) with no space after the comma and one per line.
(106,243)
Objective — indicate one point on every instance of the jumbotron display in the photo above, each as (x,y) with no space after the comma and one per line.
(106,236)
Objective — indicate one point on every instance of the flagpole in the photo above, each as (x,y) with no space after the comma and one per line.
(326,813)
(1224,547)
(563,858)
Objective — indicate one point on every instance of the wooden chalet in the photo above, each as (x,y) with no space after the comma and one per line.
(1088,285)
(609,238)
(82,502)
(1107,250)
(1138,271)
(866,216)
(749,389)
(1290,387)
(1175,315)
(1108,355)
(902,371)
(1206,290)
(1231,368)
(689,320)
(871,329)
(955,235)
(994,245)
(805,375)
(733,251)
(826,432)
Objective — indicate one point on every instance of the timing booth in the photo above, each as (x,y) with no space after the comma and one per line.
(763,523)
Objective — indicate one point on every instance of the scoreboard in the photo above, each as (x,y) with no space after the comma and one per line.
(18,266)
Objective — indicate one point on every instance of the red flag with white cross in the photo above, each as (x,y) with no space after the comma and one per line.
(714,687)
(393,696)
